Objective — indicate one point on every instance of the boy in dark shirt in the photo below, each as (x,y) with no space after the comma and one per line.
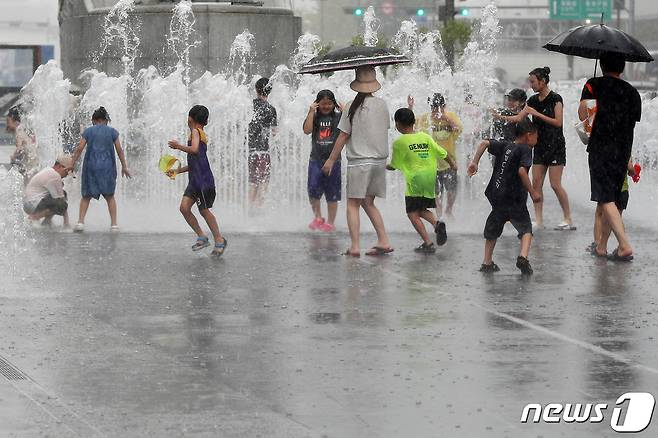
(261,126)
(508,192)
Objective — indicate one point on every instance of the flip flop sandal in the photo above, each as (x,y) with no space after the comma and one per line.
(615,257)
(351,254)
(591,247)
(378,251)
(592,250)
(564,227)
(219,249)
(201,242)
(426,249)
(441,234)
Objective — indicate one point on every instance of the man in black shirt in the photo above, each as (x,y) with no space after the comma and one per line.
(618,108)
(507,192)
(261,126)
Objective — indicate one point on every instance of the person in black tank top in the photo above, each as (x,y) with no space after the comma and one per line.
(546,110)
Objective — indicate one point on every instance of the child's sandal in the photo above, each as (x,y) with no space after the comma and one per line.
(219,249)
(201,242)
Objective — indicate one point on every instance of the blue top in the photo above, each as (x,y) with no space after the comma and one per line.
(99,170)
(201,177)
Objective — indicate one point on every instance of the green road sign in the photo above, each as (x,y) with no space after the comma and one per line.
(580,9)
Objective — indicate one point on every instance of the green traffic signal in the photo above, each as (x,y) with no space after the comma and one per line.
(358,12)
(420,12)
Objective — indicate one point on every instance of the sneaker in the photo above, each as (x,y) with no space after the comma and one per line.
(79,228)
(315,223)
(441,234)
(425,248)
(326,227)
(114,229)
(524,265)
(487,269)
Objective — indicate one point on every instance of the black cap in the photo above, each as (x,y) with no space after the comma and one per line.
(437,100)
(517,94)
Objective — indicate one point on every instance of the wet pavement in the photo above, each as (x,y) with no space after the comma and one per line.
(133,335)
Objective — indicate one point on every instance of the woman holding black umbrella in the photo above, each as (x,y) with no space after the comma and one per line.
(364,131)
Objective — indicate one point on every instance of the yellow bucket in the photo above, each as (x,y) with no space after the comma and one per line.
(167,163)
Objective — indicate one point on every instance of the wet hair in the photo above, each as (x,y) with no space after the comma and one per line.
(199,114)
(263,86)
(524,127)
(541,73)
(101,114)
(356,104)
(405,117)
(437,100)
(326,94)
(612,63)
(14,114)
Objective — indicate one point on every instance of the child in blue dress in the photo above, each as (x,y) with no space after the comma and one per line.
(201,186)
(99,168)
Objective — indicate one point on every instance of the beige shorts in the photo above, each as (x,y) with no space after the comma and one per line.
(366,180)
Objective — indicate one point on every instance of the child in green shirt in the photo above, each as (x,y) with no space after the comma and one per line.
(416,156)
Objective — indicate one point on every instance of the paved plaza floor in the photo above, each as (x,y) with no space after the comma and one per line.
(133,335)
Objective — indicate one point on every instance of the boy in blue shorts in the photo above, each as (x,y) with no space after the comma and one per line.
(322,123)
(507,192)
(416,154)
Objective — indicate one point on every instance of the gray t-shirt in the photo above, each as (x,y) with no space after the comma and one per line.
(369,130)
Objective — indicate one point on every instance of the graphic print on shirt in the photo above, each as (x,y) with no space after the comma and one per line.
(325,130)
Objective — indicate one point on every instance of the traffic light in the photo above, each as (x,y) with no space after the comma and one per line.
(359,12)
(420,12)
(464,12)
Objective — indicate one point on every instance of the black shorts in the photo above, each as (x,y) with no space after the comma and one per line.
(56,206)
(606,179)
(622,200)
(550,155)
(419,203)
(446,180)
(518,215)
(204,198)
(260,168)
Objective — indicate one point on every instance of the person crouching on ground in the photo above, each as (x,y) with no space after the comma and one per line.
(201,186)
(508,192)
(416,154)
(44,195)
(322,123)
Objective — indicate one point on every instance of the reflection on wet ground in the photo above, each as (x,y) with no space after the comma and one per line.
(132,335)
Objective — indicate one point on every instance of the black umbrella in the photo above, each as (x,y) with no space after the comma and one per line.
(352,57)
(594,40)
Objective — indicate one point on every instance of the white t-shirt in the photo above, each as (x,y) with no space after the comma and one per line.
(47,181)
(368,131)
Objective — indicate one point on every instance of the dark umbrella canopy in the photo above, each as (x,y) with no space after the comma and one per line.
(351,58)
(593,40)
